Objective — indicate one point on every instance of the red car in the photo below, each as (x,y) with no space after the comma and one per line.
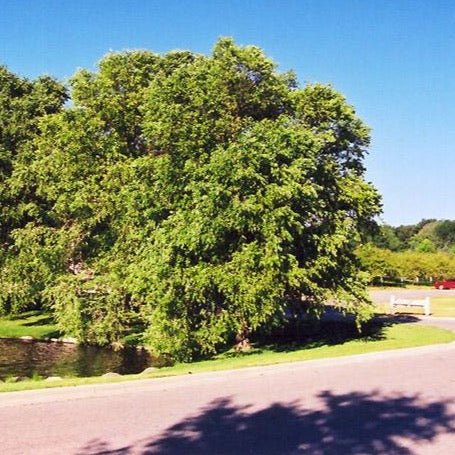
(447,284)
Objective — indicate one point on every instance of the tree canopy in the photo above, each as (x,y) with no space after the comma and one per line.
(195,197)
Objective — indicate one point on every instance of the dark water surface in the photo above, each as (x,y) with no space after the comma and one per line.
(25,358)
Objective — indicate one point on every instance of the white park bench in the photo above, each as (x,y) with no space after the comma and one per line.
(422,303)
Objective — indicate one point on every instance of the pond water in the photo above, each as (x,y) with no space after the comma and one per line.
(25,358)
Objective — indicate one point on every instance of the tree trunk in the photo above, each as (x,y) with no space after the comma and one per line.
(242,339)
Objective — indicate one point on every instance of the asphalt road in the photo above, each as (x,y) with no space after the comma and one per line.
(399,402)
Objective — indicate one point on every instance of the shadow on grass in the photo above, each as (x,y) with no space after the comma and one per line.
(39,318)
(308,334)
(51,334)
(352,423)
(313,334)
(25,315)
(45,320)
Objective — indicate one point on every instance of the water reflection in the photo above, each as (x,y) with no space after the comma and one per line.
(25,358)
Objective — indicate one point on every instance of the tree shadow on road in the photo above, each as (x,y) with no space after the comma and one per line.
(354,423)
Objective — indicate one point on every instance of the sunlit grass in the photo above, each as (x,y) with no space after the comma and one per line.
(33,323)
(439,306)
(443,306)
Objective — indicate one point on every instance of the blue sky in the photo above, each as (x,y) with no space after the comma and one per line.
(394,60)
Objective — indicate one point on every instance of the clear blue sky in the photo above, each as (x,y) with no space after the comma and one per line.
(393,59)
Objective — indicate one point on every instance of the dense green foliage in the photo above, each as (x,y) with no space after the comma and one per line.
(195,198)
(409,265)
(424,251)
(23,104)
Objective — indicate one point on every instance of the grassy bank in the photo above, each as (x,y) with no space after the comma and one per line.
(35,324)
(392,337)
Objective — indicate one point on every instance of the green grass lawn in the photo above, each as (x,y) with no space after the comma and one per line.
(390,337)
(440,307)
(443,306)
(32,323)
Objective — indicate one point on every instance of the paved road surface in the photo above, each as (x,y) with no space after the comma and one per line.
(400,402)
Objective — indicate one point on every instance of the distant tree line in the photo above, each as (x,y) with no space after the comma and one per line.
(421,252)
(427,236)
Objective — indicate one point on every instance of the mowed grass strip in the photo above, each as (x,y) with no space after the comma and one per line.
(393,337)
(443,306)
(32,323)
(440,307)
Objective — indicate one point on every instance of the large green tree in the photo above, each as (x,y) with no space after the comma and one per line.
(198,197)
(23,104)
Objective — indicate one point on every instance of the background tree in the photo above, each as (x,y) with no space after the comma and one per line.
(406,232)
(379,262)
(387,238)
(409,264)
(445,233)
(23,104)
